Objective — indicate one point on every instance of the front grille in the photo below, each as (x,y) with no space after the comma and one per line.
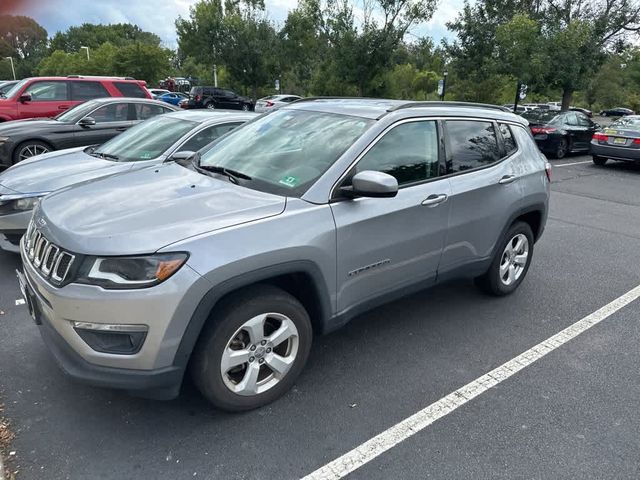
(51,261)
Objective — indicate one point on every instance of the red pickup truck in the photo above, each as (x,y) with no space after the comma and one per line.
(49,96)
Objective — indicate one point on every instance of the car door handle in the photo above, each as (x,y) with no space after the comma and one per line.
(121,129)
(433,200)
(507,179)
(63,107)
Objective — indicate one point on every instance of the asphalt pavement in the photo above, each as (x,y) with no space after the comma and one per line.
(572,414)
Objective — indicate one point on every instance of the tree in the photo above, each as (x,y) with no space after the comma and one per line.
(23,39)
(92,36)
(142,61)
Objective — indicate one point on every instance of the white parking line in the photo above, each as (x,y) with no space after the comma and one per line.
(386,440)
(569,164)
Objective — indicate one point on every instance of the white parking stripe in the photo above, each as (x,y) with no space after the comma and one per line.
(569,164)
(386,440)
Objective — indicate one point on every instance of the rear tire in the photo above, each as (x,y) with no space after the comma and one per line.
(562,149)
(210,106)
(600,161)
(233,359)
(509,266)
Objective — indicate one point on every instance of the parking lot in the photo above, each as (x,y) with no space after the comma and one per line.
(571,414)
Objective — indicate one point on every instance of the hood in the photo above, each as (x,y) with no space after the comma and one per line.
(31,125)
(145,210)
(55,170)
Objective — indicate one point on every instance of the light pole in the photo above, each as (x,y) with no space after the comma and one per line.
(215,75)
(444,84)
(13,70)
(87,49)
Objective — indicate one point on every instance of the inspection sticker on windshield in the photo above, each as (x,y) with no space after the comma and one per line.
(289,181)
(146,156)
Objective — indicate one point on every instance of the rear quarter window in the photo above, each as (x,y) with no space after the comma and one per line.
(130,89)
(507,138)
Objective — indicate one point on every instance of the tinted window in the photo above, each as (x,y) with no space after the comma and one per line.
(472,144)
(509,142)
(115,112)
(147,111)
(409,152)
(47,91)
(571,119)
(206,136)
(583,120)
(195,91)
(87,90)
(130,89)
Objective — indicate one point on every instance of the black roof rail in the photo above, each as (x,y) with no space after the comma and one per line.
(418,104)
(311,99)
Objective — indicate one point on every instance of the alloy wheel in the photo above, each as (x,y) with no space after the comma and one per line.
(259,354)
(29,151)
(514,259)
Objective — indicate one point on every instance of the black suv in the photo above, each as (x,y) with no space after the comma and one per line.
(213,97)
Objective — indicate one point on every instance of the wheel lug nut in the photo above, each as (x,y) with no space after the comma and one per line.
(268,350)
(261,360)
(251,359)
(263,342)
(253,347)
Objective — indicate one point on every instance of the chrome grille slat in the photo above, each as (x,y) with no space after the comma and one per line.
(51,261)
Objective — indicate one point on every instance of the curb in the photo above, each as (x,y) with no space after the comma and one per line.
(2,477)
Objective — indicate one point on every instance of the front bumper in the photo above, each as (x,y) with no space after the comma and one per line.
(615,153)
(151,370)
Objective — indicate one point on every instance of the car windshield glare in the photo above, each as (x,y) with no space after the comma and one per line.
(631,123)
(13,90)
(287,151)
(145,141)
(76,113)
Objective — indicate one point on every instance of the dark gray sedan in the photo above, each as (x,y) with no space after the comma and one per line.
(618,141)
(90,123)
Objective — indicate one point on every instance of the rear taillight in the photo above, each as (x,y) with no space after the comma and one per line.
(198,98)
(538,130)
(547,170)
(636,141)
(268,104)
(600,137)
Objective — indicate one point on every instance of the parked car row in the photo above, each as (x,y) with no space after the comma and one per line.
(225,262)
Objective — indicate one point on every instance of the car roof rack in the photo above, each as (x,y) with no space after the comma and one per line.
(418,104)
(106,77)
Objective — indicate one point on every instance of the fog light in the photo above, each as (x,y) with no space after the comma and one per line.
(114,339)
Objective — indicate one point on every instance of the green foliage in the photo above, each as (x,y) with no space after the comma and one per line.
(93,36)
(23,39)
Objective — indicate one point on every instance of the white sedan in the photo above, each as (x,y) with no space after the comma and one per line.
(272,102)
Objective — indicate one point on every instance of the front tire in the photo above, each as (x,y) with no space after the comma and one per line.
(510,263)
(600,161)
(29,149)
(252,349)
(210,106)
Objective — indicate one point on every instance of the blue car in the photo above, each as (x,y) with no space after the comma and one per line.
(173,97)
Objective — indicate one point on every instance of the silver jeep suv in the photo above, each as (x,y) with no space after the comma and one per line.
(227,264)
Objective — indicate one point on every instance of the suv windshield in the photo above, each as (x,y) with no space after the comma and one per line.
(145,141)
(13,90)
(287,151)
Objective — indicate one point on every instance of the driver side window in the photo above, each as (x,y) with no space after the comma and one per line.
(408,152)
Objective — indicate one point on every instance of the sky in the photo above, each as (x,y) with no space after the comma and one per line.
(158,16)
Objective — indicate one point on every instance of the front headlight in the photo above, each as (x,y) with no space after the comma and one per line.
(131,272)
(23,204)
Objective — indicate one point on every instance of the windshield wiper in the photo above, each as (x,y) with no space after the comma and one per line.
(107,156)
(232,174)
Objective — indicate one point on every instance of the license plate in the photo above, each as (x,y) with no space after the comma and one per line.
(620,141)
(28,296)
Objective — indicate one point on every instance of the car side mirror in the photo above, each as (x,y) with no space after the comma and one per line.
(183,155)
(371,184)
(26,97)
(87,122)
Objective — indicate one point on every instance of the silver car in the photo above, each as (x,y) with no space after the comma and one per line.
(290,225)
(618,141)
(273,102)
(152,142)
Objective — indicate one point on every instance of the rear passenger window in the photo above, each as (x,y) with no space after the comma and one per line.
(472,144)
(130,89)
(87,90)
(409,152)
(144,112)
(509,142)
